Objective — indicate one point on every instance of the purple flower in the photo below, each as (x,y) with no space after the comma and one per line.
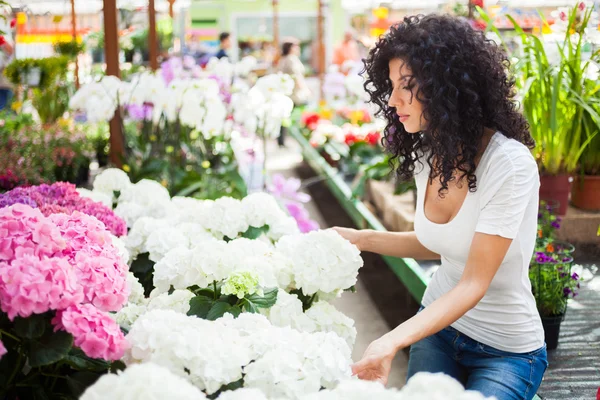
(562,275)
(575,276)
(567,291)
(555,224)
(189,62)
(287,189)
(140,113)
(300,214)
(539,215)
(307,225)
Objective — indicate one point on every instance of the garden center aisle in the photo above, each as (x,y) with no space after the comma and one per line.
(368,321)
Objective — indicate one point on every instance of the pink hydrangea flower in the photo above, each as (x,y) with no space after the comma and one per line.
(99,268)
(24,227)
(94,331)
(30,285)
(3,350)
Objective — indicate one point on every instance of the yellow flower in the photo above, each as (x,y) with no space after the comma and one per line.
(205,164)
(356,117)
(153,138)
(326,113)
(126,168)
(194,134)
(16,106)
(169,149)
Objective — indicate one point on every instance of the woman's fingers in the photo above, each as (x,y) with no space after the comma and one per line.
(362,365)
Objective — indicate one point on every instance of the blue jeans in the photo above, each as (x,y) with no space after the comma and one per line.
(507,376)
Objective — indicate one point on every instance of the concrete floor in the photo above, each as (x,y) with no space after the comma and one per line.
(368,321)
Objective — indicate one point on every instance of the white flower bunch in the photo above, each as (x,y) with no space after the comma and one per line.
(202,107)
(244,66)
(271,84)
(328,319)
(198,350)
(109,181)
(326,131)
(138,235)
(426,385)
(145,381)
(243,394)
(98,99)
(355,88)
(221,68)
(98,197)
(145,198)
(287,312)
(355,389)
(136,294)
(178,301)
(127,315)
(121,249)
(226,218)
(322,261)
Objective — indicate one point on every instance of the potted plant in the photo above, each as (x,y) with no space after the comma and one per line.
(552,281)
(586,186)
(70,48)
(555,99)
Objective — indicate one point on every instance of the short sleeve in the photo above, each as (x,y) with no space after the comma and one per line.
(509,184)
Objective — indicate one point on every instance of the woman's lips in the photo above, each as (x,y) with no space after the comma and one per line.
(403,117)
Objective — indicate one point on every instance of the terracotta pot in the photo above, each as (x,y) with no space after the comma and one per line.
(585,193)
(556,188)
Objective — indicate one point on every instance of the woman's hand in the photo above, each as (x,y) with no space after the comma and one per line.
(376,363)
(352,235)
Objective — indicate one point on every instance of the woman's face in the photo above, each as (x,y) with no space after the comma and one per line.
(403,99)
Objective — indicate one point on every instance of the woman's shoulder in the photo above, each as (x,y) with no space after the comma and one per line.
(508,153)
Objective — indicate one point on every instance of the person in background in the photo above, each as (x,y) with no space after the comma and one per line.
(224,45)
(347,50)
(7,52)
(290,64)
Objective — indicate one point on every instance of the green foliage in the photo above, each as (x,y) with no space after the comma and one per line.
(70,49)
(52,69)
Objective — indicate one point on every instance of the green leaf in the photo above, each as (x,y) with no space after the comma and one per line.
(80,381)
(78,360)
(235,311)
(218,310)
(50,348)
(254,233)
(250,306)
(117,366)
(32,327)
(254,301)
(200,306)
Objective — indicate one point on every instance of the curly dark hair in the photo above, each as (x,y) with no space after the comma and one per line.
(463,85)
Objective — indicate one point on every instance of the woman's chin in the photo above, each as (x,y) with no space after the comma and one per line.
(410,129)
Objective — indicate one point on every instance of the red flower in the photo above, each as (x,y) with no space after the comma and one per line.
(481,25)
(477,3)
(562,16)
(13,23)
(2,40)
(581,6)
(373,138)
(350,139)
(310,119)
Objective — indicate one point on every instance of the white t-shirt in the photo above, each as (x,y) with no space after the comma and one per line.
(505,204)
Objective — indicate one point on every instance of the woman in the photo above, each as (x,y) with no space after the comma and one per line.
(452,123)
(290,64)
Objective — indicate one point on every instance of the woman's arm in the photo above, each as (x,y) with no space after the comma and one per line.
(485,257)
(395,244)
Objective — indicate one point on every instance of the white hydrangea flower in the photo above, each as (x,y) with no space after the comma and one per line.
(323,261)
(227,218)
(287,312)
(356,389)
(255,329)
(136,295)
(198,350)
(98,197)
(261,209)
(283,227)
(178,301)
(175,269)
(243,394)
(121,248)
(329,356)
(137,237)
(144,381)
(328,319)
(426,385)
(161,241)
(281,373)
(111,180)
(127,315)
(194,233)
(149,197)
(241,283)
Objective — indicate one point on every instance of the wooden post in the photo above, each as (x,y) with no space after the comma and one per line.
(111,51)
(276,26)
(321,47)
(171,9)
(74,26)
(152,38)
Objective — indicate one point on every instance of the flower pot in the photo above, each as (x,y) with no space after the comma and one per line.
(32,77)
(552,330)
(585,193)
(556,188)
